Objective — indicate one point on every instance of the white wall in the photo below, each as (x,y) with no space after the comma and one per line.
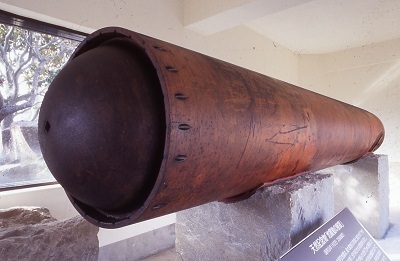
(367,77)
(162,20)
(52,197)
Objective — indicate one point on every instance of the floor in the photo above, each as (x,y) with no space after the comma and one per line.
(167,255)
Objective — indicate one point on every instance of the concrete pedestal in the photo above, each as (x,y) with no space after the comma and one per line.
(363,187)
(262,227)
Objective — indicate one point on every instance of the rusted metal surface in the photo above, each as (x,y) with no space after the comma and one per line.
(173,129)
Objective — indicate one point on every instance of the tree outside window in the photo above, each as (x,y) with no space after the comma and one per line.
(29,61)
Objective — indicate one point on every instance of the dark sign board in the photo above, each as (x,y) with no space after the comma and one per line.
(342,238)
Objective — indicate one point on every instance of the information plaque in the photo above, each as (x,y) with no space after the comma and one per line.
(342,238)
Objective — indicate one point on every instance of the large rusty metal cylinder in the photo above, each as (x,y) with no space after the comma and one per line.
(134,128)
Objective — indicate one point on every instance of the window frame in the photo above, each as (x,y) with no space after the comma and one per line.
(45,28)
(41,27)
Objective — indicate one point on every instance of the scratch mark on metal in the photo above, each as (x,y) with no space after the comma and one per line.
(286,132)
(291,144)
(251,124)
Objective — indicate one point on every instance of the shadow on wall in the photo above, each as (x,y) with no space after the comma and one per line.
(382,98)
(376,88)
(388,82)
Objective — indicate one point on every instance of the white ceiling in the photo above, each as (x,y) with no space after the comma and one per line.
(304,26)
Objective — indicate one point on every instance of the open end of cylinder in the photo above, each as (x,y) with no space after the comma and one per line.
(102,129)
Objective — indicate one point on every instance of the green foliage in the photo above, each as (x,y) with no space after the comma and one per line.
(29,61)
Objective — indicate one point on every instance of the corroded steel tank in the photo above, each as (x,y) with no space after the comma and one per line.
(134,128)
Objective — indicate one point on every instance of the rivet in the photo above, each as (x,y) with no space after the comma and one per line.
(159,48)
(47,127)
(180,158)
(180,96)
(184,126)
(171,69)
(158,206)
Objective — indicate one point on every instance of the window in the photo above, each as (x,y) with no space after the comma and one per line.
(31,55)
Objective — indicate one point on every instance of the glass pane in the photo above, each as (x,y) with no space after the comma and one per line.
(29,61)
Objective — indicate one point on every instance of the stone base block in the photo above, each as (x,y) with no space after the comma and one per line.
(262,227)
(363,187)
(33,234)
